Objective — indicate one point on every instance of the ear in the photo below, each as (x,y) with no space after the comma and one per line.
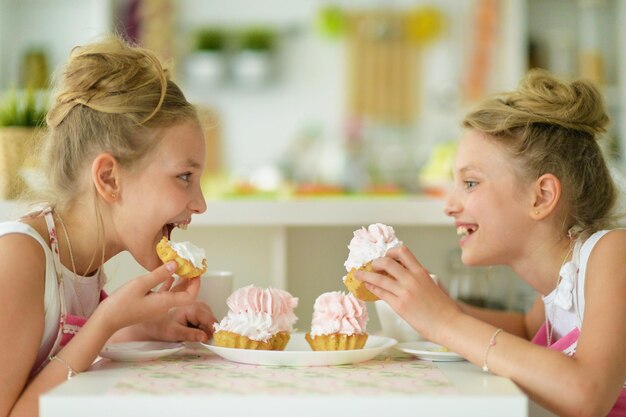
(546,194)
(105,176)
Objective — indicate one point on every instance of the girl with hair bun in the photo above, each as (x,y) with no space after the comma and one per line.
(533,192)
(123,157)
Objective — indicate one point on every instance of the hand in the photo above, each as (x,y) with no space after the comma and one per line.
(136,302)
(401,281)
(192,323)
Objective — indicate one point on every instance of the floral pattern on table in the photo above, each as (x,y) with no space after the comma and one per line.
(201,372)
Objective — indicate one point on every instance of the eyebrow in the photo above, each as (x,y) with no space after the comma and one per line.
(191,163)
(467,168)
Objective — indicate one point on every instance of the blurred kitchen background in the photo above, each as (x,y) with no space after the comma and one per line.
(322,102)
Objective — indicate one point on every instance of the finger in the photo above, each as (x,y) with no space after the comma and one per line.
(148,281)
(189,334)
(181,284)
(381,293)
(204,318)
(166,285)
(379,281)
(391,267)
(403,255)
(193,287)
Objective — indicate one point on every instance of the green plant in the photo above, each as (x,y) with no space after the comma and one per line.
(257,39)
(210,39)
(22,109)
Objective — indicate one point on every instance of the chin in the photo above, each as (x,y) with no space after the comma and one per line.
(469,259)
(149,261)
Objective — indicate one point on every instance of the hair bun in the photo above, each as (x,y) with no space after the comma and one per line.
(111,77)
(576,105)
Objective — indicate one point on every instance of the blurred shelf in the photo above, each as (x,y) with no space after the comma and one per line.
(413,211)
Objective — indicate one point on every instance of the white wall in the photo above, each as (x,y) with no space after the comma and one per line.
(56,25)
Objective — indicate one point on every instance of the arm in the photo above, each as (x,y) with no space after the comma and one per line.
(524,325)
(130,304)
(587,384)
(21,313)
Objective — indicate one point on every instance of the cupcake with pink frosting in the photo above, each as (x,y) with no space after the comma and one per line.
(365,246)
(258,319)
(338,323)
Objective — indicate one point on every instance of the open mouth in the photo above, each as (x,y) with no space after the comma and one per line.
(168,228)
(465,230)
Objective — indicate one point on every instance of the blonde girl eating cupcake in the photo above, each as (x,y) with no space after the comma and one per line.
(122,156)
(532,191)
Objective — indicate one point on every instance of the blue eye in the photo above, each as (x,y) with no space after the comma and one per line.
(185,176)
(470,184)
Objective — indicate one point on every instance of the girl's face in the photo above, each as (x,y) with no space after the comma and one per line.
(162,194)
(488,202)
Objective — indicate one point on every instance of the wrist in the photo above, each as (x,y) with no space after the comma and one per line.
(101,319)
(447,328)
(131,333)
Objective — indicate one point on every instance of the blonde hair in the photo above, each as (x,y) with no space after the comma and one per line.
(552,126)
(111,97)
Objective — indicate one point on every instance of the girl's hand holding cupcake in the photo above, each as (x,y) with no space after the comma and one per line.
(400,280)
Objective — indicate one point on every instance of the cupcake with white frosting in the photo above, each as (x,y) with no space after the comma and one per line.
(259,319)
(365,246)
(338,323)
(191,260)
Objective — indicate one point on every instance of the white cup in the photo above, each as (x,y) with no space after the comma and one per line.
(215,287)
(393,325)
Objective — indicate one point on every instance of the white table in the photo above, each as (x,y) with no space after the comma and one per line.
(198,383)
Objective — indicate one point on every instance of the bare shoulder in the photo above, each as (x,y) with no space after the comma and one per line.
(22,271)
(610,249)
(605,288)
(22,263)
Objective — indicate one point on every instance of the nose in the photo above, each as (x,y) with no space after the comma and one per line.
(453,205)
(198,203)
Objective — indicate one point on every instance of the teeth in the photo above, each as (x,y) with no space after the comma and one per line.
(183,226)
(462,231)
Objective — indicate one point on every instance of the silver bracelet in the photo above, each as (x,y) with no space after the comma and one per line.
(70,371)
(492,342)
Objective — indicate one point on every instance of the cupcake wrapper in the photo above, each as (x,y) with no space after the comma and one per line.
(336,341)
(233,340)
(357,287)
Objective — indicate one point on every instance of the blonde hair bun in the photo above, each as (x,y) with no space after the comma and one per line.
(576,105)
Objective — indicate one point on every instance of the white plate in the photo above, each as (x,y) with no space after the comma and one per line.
(139,351)
(299,353)
(428,351)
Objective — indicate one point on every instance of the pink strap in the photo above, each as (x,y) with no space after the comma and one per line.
(563,344)
(619,409)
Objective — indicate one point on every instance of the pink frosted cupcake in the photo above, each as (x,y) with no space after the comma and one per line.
(367,245)
(339,321)
(259,319)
